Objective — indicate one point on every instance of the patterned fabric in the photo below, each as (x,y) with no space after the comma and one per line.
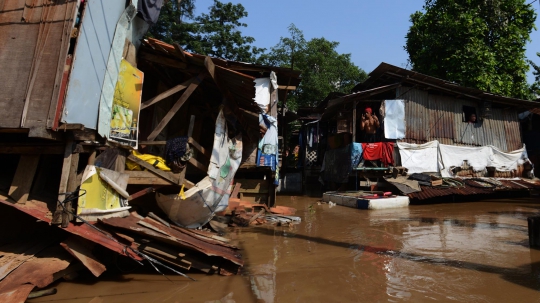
(177,151)
(311,158)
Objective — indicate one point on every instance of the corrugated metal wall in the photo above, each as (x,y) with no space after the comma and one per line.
(434,117)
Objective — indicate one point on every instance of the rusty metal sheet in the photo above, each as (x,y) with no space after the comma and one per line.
(35,40)
(82,250)
(175,236)
(37,272)
(429,192)
(15,254)
(83,230)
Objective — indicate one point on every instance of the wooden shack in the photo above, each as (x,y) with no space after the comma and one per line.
(434,110)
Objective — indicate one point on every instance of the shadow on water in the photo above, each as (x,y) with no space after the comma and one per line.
(525,275)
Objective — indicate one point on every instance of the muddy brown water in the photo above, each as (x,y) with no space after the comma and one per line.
(463,252)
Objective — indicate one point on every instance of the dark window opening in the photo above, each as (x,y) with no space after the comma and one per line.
(469,114)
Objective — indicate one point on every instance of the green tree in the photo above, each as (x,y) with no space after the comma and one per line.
(324,70)
(215,34)
(535,87)
(476,43)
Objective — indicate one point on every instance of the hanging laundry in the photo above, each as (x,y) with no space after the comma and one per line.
(372,151)
(387,155)
(356,154)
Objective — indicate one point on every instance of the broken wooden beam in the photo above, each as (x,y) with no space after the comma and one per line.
(82,250)
(141,193)
(167,93)
(191,88)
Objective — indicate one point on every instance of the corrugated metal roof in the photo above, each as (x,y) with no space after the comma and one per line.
(386,74)
(429,192)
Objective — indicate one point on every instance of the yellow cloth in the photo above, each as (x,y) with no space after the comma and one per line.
(156,161)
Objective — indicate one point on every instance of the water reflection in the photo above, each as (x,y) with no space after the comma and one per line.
(467,252)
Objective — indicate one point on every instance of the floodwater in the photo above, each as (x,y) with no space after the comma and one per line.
(463,252)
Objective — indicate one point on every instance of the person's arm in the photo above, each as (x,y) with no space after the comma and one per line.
(376,121)
(362,123)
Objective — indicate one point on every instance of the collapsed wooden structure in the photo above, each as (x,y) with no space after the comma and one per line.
(71,69)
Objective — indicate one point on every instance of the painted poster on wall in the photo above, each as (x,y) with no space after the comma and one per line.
(126,105)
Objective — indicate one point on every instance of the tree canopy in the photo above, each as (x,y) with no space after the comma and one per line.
(324,70)
(476,43)
(215,34)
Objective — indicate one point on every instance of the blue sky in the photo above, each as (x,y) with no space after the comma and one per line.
(371,31)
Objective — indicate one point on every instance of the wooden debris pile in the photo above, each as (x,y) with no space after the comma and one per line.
(36,262)
(241,213)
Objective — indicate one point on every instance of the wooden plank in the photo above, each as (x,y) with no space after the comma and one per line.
(180,52)
(197,164)
(141,193)
(32,149)
(287,87)
(192,86)
(82,250)
(236,189)
(150,181)
(44,133)
(72,181)
(162,60)
(165,175)
(167,93)
(354,122)
(152,142)
(191,125)
(199,147)
(24,175)
(68,152)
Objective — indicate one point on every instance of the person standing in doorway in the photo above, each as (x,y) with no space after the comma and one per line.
(370,124)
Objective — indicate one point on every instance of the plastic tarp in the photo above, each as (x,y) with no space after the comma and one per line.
(435,157)
(508,161)
(419,158)
(453,156)
(268,152)
(262,93)
(199,204)
(394,119)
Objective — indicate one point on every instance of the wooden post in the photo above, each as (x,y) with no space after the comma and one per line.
(59,215)
(534,231)
(354,122)
(24,175)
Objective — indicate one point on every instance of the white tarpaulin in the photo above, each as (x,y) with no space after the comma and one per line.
(508,161)
(435,157)
(262,93)
(394,119)
(480,157)
(453,156)
(419,158)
